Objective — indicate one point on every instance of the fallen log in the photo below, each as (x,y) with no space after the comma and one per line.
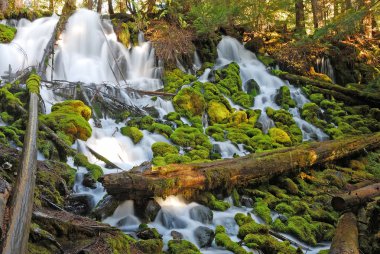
(346,240)
(350,96)
(355,198)
(190,179)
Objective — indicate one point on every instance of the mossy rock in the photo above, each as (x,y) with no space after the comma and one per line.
(262,210)
(252,228)
(7,33)
(268,244)
(190,137)
(162,149)
(70,117)
(189,102)
(134,133)
(150,246)
(223,240)
(217,112)
(142,123)
(284,99)
(280,136)
(209,200)
(216,132)
(175,79)
(182,247)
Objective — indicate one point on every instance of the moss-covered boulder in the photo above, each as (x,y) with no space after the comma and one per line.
(175,79)
(284,99)
(7,33)
(223,240)
(189,102)
(181,247)
(280,136)
(190,137)
(132,132)
(70,117)
(95,170)
(217,112)
(162,149)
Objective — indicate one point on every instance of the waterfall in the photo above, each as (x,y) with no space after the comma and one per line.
(231,50)
(324,66)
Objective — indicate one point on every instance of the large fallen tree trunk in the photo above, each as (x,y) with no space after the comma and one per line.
(350,96)
(346,240)
(189,179)
(355,198)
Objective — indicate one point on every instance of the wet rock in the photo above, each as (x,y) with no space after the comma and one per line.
(151,210)
(152,111)
(202,214)
(246,201)
(80,204)
(252,87)
(146,233)
(282,218)
(105,207)
(176,235)
(127,221)
(88,181)
(204,236)
(170,220)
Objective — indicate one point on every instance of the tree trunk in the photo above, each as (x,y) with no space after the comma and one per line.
(192,179)
(51,5)
(316,14)
(90,4)
(99,7)
(355,198)
(300,17)
(367,21)
(110,7)
(122,6)
(350,96)
(346,236)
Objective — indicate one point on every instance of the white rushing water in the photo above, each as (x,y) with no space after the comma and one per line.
(88,52)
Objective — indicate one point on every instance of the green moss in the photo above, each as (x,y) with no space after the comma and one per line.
(302,229)
(284,208)
(261,209)
(71,118)
(373,164)
(150,245)
(7,33)
(235,198)
(223,240)
(182,247)
(242,99)
(134,133)
(216,132)
(174,80)
(266,60)
(284,99)
(212,202)
(6,117)
(163,129)
(95,170)
(189,102)
(120,243)
(252,228)
(242,219)
(173,116)
(238,117)
(280,136)
(33,83)
(162,149)
(35,248)
(268,244)
(190,137)
(217,112)
(142,123)
(317,98)
(9,99)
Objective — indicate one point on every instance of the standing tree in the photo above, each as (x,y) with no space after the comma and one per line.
(99,7)
(110,7)
(300,17)
(316,9)
(51,5)
(90,4)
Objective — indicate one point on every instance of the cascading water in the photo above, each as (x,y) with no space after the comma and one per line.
(230,50)
(25,49)
(324,66)
(89,52)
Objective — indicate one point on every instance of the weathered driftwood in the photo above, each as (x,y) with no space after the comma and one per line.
(189,179)
(350,96)
(346,240)
(355,198)
(22,199)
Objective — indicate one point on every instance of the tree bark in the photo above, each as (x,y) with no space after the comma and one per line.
(345,240)
(317,13)
(5,190)
(355,198)
(90,4)
(300,17)
(99,7)
(122,6)
(51,5)
(191,179)
(350,96)
(110,7)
